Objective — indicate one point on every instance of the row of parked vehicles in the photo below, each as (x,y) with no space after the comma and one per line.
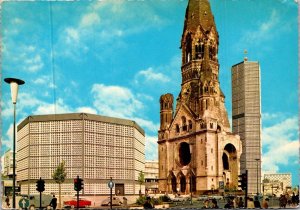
(84,203)
(34,201)
(200,198)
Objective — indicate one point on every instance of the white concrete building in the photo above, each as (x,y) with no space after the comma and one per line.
(93,147)
(7,161)
(151,176)
(277,183)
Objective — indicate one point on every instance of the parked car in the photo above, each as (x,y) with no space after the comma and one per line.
(115,201)
(179,199)
(217,197)
(83,203)
(202,198)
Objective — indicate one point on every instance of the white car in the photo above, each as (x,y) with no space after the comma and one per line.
(217,197)
(179,199)
(202,198)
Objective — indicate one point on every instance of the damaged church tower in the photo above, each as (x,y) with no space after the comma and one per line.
(196,149)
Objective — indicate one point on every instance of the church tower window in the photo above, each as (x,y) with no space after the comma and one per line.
(177,128)
(188,50)
(184,126)
(190,125)
(199,48)
(212,51)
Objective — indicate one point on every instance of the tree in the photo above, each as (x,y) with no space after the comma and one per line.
(59,176)
(141,180)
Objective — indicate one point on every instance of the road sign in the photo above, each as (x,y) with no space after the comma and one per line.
(111,184)
(23,203)
(221,185)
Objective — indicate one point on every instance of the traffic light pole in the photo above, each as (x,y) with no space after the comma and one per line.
(110,198)
(40,200)
(77,200)
(78,193)
(246,191)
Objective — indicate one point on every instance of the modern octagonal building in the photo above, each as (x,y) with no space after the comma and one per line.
(93,147)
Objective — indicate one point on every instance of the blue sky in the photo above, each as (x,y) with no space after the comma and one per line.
(116,58)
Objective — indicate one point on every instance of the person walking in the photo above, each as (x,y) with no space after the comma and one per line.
(265,204)
(53,202)
(256,203)
(294,199)
(241,203)
(147,204)
(229,204)
(250,204)
(206,205)
(214,204)
(7,201)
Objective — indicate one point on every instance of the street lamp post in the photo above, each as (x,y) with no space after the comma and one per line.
(191,171)
(14,85)
(257,159)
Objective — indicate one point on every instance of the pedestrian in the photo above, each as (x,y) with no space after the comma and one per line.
(266,203)
(147,204)
(256,202)
(294,199)
(240,203)
(206,205)
(7,201)
(229,204)
(214,204)
(282,201)
(250,204)
(53,202)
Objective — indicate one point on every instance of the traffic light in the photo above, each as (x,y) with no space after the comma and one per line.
(243,180)
(40,185)
(78,184)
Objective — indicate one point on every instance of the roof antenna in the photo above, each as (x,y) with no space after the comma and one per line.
(245,53)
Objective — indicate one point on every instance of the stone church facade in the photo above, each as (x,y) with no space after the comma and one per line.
(196,148)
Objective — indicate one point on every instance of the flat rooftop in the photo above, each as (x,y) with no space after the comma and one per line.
(79,116)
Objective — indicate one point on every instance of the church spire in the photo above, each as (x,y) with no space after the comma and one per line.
(199,43)
(197,13)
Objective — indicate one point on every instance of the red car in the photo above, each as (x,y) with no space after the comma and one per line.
(73,203)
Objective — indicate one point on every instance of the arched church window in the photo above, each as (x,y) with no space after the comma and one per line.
(174,184)
(190,125)
(182,184)
(184,126)
(225,162)
(177,128)
(210,52)
(188,48)
(199,48)
(211,125)
(206,89)
(202,125)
